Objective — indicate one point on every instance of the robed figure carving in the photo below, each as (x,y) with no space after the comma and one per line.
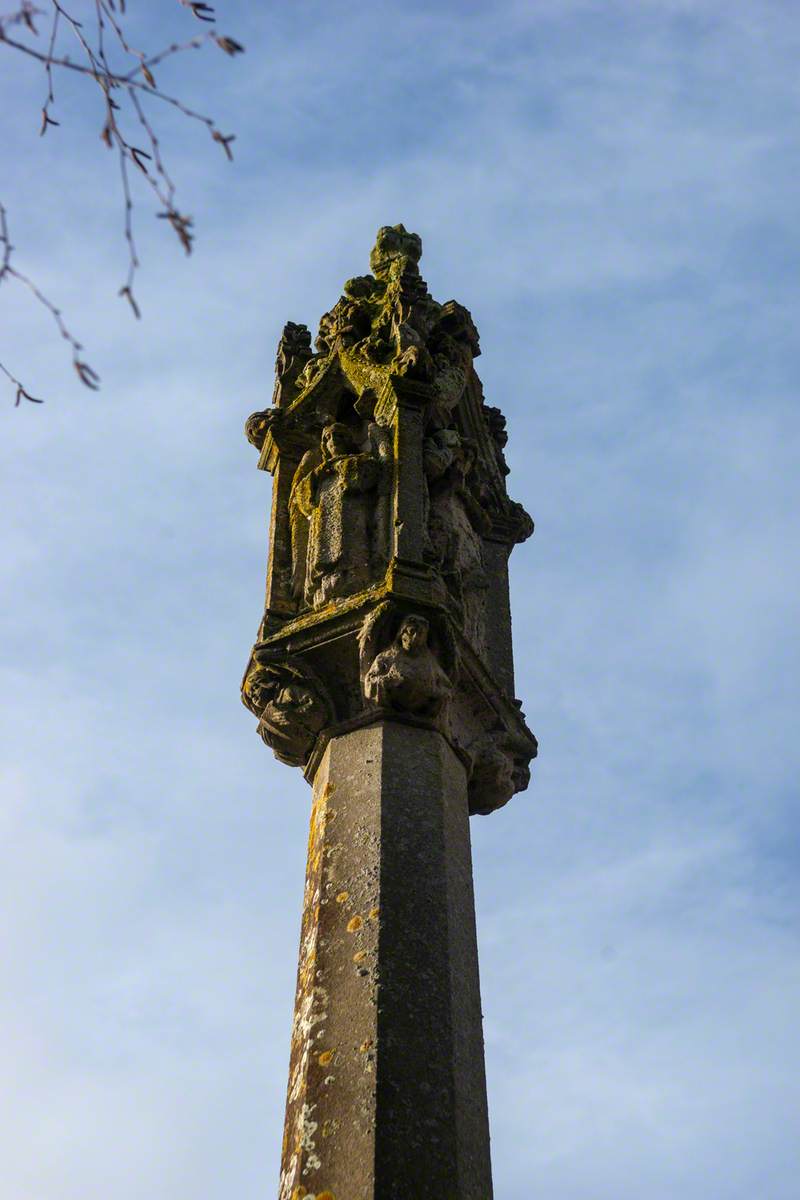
(407,676)
(330,518)
(456,522)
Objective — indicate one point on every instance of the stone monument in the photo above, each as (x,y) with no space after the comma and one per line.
(383,668)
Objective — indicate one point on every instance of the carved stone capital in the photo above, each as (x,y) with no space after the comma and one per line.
(290,701)
(387,585)
(499,768)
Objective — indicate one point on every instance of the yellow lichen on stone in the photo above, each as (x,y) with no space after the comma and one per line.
(343,897)
(325,1058)
(354,924)
(359,956)
(373,913)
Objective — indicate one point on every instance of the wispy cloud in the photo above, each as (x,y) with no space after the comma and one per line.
(613,191)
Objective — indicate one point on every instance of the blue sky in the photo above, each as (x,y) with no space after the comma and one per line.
(612,189)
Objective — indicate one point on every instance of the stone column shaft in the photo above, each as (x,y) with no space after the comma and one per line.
(387,1093)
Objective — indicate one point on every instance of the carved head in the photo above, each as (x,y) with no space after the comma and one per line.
(448,439)
(257,425)
(336,440)
(493,780)
(413,634)
(295,704)
(392,243)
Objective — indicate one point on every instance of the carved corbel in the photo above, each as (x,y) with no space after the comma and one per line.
(290,701)
(408,662)
(258,425)
(500,768)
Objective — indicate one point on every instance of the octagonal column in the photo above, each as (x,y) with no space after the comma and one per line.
(387,1093)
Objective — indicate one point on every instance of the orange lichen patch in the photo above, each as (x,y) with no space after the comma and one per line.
(354,924)
(343,897)
(365,1046)
(359,956)
(325,1058)
(325,1196)
(373,913)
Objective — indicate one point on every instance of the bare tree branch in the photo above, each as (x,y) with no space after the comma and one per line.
(85,373)
(124,89)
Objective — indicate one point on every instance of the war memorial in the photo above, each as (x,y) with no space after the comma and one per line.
(383,669)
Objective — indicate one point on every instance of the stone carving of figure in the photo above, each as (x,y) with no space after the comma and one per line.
(300,508)
(258,425)
(496,425)
(291,720)
(381,445)
(291,704)
(454,522)
(454,344)
(492,779)
(349,319)
(294,351)
(330,492)
(407,677)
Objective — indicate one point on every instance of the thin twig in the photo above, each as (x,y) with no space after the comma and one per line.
(135,84)
(46,118)
(85,373)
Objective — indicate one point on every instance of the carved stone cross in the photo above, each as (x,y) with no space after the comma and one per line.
(383,668)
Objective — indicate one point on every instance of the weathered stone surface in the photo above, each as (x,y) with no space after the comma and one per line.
(407,677)
(330,506)
(387,1095)
(383,666)
(291,703)
(389,489)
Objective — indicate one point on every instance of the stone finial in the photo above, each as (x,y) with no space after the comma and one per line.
(395,251)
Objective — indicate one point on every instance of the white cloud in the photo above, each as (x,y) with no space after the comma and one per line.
(613,193)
